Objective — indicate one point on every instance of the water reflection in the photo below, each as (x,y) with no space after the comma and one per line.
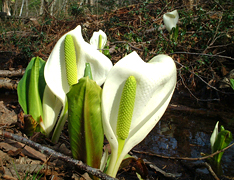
(185,135)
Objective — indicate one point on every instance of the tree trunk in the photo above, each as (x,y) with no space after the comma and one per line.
(52,7)
(5,7)
(21,9)
(26,7)
(41,7)
(15,7)
(65,8)
(91,2)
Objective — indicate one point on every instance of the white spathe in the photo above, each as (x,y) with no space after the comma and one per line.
(156,82)
(95,39)
(170,19)
(51,108)
(214,136)
(55,71)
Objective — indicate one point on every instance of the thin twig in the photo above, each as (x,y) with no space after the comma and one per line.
(46,150)
(125,42)
(218,46)
(183,158)
(202,54)
(209,169)
(202,79)
(157,169)
(182,79)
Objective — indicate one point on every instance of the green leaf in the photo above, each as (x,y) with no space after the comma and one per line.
(34,100)
(84,122)
(31,88)
(232,83)
(176,33)
(222,128)
(88,71)
(224,138)
(106,52)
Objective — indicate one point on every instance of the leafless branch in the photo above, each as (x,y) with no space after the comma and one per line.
(7,83)
(46,150)
(9,73)
(184,158)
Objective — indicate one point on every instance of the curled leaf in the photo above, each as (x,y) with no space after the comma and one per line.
(84,122)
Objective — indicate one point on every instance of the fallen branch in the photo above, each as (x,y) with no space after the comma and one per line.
(46,150)
(9,73)
(7,83)
(184,158)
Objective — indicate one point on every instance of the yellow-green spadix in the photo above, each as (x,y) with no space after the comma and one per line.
(56,75)
(70,60)
(126,107)
(155,84)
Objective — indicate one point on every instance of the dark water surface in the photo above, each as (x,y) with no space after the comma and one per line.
(186,133)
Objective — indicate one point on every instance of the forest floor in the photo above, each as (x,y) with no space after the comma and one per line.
(203,53)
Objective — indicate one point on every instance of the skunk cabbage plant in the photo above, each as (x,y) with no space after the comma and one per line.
(98,40)
(30,92)
(59,79)
(170,20)
(219,141)
(135,96)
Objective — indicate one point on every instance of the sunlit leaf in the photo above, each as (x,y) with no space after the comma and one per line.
(31,88)
(84,121)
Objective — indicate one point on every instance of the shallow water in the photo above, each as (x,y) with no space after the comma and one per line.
(183,133)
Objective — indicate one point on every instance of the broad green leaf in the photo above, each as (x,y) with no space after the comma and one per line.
(31,88)
(224,138)
(84,122)
(34,100)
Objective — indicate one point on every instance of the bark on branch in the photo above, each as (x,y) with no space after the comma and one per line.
(8,73)
(7,83)
(48,151)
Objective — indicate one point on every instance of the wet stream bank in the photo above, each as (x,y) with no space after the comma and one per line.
(184,131)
